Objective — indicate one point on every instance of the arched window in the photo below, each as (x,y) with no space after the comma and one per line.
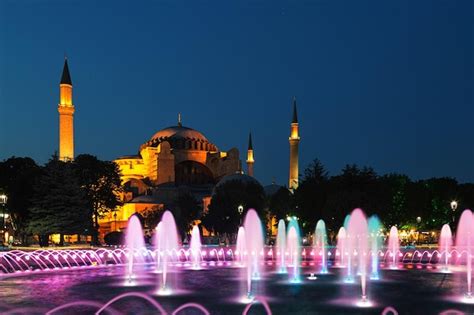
(192,173)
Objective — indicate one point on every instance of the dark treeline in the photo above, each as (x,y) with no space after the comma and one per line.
(395,198)
(69,197)
(60,197)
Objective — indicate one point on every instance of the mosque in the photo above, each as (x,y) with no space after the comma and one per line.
(174,159)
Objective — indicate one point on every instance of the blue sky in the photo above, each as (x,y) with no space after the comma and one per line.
(388,84)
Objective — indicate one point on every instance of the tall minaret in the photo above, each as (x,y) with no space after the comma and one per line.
(66,116)
(294,142)
(250,159)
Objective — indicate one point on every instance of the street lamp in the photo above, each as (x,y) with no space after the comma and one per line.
(418,221)
(454,206)
(115,219)
(240,210)
(3,202)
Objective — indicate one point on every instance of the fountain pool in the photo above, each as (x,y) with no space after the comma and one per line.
(217,289)
(249,277)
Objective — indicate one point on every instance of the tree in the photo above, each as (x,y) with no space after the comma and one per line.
(280,204)
(354,188)
(432,199)
(151,217)
(100,181)
(465,198)
(59,204)
(223,215)
(311,196)
(17,178)
(395,192)
(186,209)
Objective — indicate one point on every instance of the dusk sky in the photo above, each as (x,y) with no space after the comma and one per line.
(387,84)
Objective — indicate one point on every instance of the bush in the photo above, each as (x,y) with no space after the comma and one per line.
(113,238)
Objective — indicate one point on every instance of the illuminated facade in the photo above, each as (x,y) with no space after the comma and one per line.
(66,116)
(174,159)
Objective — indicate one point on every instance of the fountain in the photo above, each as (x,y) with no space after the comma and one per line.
(294,249)
(157,245)
(167,243)
(357,244)
(254,247)
(195,247)
(241,247)
(320,245)
(445,243)
(393,247)
(347,218)
(358,249)
(341,246)
(281,245)
(135,244)
(465,245)
(375,244)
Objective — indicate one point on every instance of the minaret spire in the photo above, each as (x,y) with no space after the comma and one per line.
(66,77)
(250,159)
(295,115)
(66,115)
(179,120)
(294,142)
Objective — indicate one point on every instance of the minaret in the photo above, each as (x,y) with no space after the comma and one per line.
(294,142)
(250,159)
(66,116)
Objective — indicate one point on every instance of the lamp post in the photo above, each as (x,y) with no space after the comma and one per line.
(454,206)
(418,221)
(3,202)
(115,220)
(240,210)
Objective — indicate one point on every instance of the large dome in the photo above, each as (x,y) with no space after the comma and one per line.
(181,138)
(179,132)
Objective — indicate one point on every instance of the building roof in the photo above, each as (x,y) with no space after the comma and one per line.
(66,77)
(179,132)
(129,157)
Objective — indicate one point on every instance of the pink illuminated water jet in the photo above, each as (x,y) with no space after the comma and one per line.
(341,247)
(358,248)
(135,244)
(393,247)
(281,245)
(445,244)
(195,247)
(254,246)
(167,243)
(465,245)
(241,246)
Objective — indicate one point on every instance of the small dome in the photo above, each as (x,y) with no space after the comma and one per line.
(272,189)
(179,132)
(237,177)
(143,199)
